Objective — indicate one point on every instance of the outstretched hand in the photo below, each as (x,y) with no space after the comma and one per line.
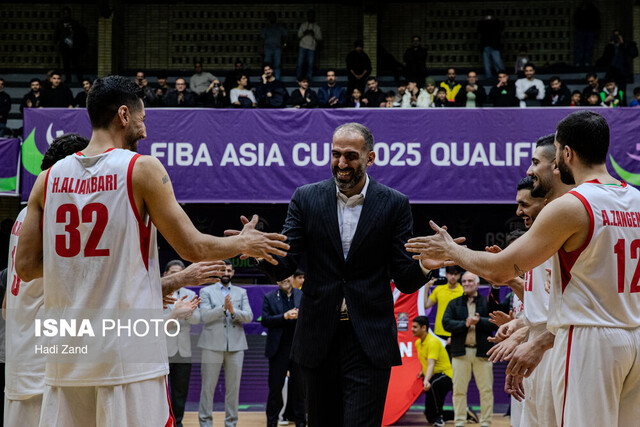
(200,273)
(434,251)
(257,244)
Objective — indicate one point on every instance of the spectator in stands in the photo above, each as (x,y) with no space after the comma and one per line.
(279,316)
(587,22)
(148,92)
(414,96)
(441,99)
(46,83)
(593,85)
(80,100)
(636,98)
(467,319)
(309,34)
(241,96)
(529,90)
(593,100)
(181,97)
(473,94)
(331,95)
(389,100)
(611,95)
(32,98)
(273,34)
(402,88)
(200,81)
(59,96)
(5,107)
(490,30)
(358,67)
(71,38)
(303,97)
(436,372)
(224,310)
(429,93)
(355,99)
(415,59)
(521,60)
(160,91)
(231,79)
(556,94)
(215,96)
(451,86)
(141,80)
(503,94)
(618,57)
(271,92)
(576,99)
(373,97)
(298,279)
(186,312)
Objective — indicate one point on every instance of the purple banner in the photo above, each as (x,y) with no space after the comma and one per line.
(431,155)
(9,154)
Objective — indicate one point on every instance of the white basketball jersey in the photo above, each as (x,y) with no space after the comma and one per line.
(25,301)
(517,306)
(597,284)
(536,299)
(99,257)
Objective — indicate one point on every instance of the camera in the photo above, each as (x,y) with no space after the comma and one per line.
(216,85)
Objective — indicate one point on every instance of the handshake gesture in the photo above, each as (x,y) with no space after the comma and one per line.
(257,244)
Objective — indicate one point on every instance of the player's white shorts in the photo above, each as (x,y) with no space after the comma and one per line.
(143,403)
(538,410)
(516,412)
(23,413)
(595,376)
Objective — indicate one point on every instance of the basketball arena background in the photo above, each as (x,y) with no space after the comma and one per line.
(458,167)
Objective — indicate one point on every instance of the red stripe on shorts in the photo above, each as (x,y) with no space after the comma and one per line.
(171,422)
(566,372)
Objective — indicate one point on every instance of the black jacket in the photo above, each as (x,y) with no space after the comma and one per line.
(273,319)
(454,321)
(376,256)
(309,100)
(504,96)
(564,97)
(461,97)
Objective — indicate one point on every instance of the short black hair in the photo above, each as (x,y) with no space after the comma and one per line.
(441,89)
(587,133)
(591,74)
(576,91)
(555,78)
(298,273)
(503,72)
(162,75)
(56,73)
(171,263)
(609,80)
(453,269)
(389,94)
(529,64)
(546,140)
(358,43)
(372,78)
(228,262)
(107,94)
(525,183)
(61,147)
(422,321)
(35,79)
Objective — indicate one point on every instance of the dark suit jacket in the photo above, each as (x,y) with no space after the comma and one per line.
(454,321)
(377,255)
(273,318)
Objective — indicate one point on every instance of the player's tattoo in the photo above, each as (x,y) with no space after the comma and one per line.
(517,270)
(165,179)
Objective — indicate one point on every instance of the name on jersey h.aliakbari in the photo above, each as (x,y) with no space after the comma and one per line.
(85,186)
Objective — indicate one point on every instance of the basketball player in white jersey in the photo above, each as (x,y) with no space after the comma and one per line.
(96,251)
(24,382)
(594,308)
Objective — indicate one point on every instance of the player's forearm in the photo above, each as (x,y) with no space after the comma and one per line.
(545,340)
(211,248)
(517,286)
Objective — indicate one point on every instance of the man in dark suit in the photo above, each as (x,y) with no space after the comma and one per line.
(279,316)
(352,231)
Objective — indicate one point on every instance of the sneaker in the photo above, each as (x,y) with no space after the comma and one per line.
(472,416)
(439,422)
(283,423)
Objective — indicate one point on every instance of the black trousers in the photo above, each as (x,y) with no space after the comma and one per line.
(346,389)
(179,375)
(441,385)
(278,367)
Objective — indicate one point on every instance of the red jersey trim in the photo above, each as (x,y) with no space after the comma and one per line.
(143,229)
(623,184)
(566,372)
(568,259)
(80,153)
(44,200)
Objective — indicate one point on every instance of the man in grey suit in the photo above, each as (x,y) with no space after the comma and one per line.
(223,310)
(352,231)
(185,311)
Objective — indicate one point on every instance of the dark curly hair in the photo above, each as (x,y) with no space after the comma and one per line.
(61,147)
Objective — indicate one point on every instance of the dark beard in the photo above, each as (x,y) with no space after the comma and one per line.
(565,174)
(358,174)
(225,280)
